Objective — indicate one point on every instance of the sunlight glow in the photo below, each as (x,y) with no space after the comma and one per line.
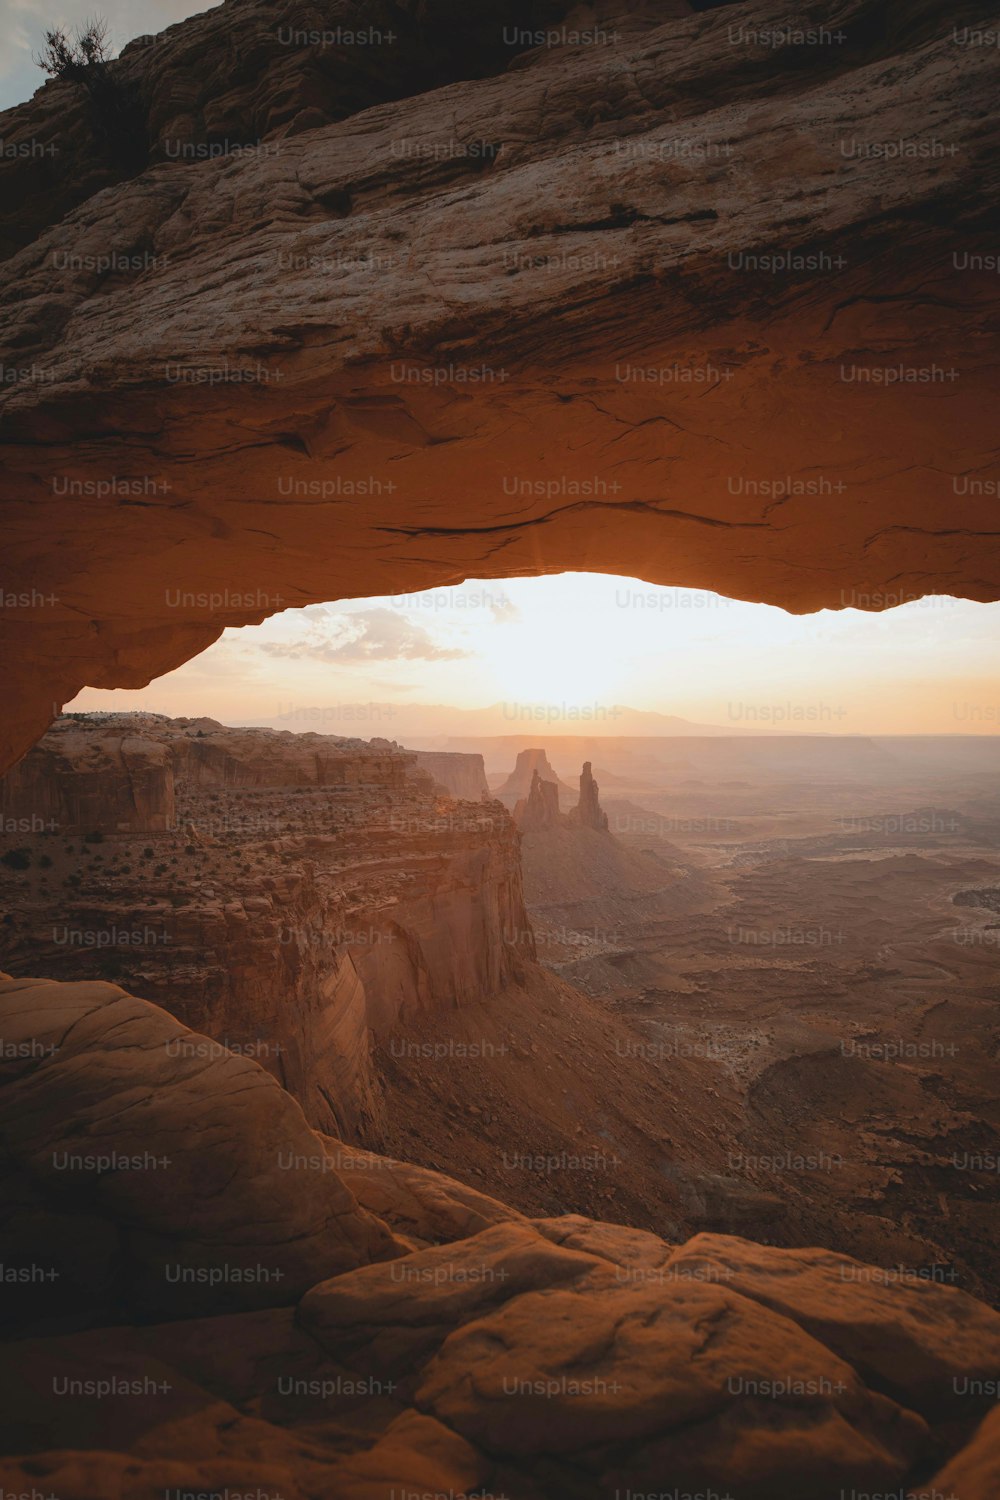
(586,643)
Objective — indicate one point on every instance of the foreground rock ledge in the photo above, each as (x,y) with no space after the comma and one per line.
(559,1358)
(353,365)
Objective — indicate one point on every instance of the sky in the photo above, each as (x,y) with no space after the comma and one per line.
(24,22)
(583,644)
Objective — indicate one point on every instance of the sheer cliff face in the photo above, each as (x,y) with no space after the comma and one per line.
(292,895)
(461,776)
(669,306)
(77,781)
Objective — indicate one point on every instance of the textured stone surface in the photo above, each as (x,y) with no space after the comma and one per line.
(293,895)
(242,73)
(460,293)
(641,1381)
(922,1347)
(595,1358)
(155,1181)
(974,1474)
(422,1205)
(561,1359)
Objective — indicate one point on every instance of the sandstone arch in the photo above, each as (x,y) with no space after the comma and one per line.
(442,361)
(146,510)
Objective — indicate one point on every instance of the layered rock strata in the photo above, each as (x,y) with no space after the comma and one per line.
(461,776)
(294,896)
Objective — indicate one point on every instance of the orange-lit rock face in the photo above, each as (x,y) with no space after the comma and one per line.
(292,896)
(522,324)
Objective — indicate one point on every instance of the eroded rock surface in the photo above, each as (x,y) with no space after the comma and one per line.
(461,776)
(667,306)
(241,74)
(540,809)
(146,1180)
(291,895)
(561,1358)
(588,812)
(518,784)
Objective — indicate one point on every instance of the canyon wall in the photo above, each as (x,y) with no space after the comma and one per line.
(78,781)
(462,776)
(292,895)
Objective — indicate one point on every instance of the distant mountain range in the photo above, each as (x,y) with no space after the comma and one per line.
(428,726)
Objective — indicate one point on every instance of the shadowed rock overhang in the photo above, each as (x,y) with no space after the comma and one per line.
(677,304)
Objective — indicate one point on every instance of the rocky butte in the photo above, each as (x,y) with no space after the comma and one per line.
(338,324)
(518,785)
(588,812)
(540,809)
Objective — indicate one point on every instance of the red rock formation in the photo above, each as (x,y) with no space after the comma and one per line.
(460,775)
(239,75)
(603,332)
(588,812)
(306,893)
(540,809)
(529,764)
(561,1358)
(213,440)
(134,1150)
(79,780)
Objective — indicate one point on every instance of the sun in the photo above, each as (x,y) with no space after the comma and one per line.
(561,652)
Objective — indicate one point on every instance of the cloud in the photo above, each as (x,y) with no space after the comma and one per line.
(366,636)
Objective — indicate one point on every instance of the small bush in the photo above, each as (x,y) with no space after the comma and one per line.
(116,112)
(16,859)
(73,60)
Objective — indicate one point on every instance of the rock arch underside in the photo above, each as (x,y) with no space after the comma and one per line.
(374,319)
